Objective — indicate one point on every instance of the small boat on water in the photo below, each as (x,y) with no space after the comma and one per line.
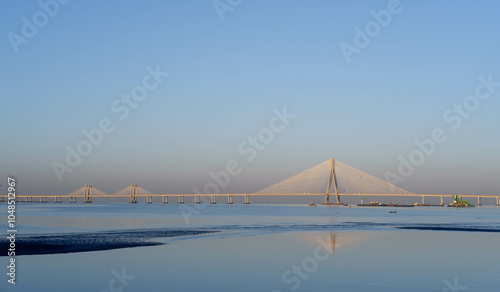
(393,211)
(312,205)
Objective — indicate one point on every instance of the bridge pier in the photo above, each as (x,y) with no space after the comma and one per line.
(441,204)
(165,200)
(181,199)
(498,201)
(229,199)
(423,200)
(149,199)
(196,199)
(247,199)
(479,203)
(72,199)
(57,200)
(213,200)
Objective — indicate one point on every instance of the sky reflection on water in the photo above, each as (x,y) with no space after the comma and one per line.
(265,258)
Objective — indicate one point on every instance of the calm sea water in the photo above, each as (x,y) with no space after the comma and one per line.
(266,248)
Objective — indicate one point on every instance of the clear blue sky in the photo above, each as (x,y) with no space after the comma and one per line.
(227,76)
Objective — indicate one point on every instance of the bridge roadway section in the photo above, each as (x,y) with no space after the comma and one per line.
(134,198)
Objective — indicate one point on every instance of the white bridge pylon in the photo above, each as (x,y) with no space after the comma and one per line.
(134,191)
(85,188)
(88,192)
(126,190)
(333,177)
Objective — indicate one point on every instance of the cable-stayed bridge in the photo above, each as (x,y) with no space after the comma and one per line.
(331,178)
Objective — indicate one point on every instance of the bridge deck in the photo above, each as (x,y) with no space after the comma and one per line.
(259,194)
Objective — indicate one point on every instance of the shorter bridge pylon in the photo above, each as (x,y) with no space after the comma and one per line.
(133,193)
(87,194)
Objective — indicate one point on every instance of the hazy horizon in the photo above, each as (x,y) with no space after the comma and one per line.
(275,71)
